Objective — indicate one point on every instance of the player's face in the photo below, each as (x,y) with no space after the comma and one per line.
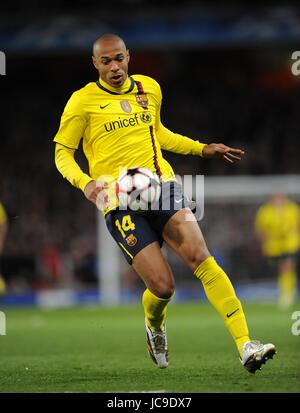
(111,60)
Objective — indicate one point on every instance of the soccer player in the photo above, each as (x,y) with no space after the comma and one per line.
(3,231)
(118,118)
(277,224)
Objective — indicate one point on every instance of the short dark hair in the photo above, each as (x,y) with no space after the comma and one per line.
(107,36)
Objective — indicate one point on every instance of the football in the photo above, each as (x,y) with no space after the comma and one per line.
(138,189)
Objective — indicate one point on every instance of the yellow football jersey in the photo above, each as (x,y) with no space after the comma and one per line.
(280,228)
(121,128)
(3,216)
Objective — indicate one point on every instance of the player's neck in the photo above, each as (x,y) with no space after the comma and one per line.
(122,89)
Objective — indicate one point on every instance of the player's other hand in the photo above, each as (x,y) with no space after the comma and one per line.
(221,151)
(95,191)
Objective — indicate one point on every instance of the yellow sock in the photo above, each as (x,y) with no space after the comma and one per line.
(287,284)
(221,295)
(155,309)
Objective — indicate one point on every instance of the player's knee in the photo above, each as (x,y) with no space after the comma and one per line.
(165,289)
(287,265)
(196,255)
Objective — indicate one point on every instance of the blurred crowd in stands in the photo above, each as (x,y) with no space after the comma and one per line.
(242,97)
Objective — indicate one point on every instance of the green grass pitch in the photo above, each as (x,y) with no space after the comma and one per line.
(95,349)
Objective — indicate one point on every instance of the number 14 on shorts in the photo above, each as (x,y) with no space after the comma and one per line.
(126,225)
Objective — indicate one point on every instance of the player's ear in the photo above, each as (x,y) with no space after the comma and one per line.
(128,55)
(95,62)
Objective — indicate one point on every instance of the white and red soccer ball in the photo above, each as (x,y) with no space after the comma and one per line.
(138,189)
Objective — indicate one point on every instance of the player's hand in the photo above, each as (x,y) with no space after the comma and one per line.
(95,191)
(221,151)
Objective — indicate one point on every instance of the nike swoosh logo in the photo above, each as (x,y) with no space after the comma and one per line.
(178,200)
(104,106)
(229,315)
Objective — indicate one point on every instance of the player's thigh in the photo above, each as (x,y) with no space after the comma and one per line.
(154,270)
(183,234)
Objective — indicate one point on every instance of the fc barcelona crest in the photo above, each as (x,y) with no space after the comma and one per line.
(131,240)
(142,100)
(125,105)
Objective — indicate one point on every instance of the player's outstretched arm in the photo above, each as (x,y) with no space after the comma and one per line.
(221,151)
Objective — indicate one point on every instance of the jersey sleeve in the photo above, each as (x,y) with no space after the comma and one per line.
(73,123)
(69,168)
(174,142)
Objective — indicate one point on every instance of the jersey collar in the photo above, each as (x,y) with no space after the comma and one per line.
(125,88)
